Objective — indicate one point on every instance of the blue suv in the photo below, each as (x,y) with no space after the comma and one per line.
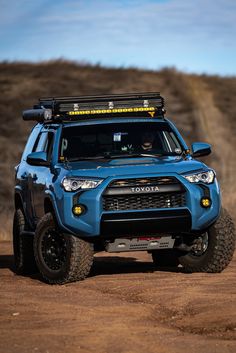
(112,173)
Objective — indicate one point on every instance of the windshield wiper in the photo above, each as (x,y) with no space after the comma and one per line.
(133,155)
(109,155)
(151,155)
(123,155)
(163,154)
(86,158)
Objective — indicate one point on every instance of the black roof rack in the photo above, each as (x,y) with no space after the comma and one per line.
(51,109)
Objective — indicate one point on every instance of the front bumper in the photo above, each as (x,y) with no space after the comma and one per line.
(145,223)
(97,222)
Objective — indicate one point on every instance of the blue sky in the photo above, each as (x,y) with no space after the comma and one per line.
(192,35)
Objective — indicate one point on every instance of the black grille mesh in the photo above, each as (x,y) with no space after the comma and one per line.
(144,201)
(144,181)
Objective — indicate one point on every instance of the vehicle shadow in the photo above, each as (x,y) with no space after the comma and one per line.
(120,265)
(103,265)
(7,261)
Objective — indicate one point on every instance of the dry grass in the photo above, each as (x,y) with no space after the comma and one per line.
(22,83)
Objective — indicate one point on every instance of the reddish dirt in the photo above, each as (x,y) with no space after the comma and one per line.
(124,306)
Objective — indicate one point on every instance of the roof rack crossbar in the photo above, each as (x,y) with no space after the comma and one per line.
(105,97)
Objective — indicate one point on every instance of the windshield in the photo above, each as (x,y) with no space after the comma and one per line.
(118,140)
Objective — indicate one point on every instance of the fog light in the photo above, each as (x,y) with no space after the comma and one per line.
(206,202)
(78,210)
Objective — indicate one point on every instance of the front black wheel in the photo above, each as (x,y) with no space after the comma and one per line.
(213,250)
(61,258)
(22,246)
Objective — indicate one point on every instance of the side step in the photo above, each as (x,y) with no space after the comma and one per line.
(137,244)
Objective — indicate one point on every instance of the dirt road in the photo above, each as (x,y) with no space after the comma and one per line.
(124,306)
(208,119)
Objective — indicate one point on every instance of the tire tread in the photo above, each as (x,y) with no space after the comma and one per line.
(81,257)
(223,250)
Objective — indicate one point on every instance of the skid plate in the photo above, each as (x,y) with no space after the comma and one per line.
(143,243)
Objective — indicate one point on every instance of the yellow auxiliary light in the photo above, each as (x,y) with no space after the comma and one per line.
(109,111)
(205,202)
(78,210)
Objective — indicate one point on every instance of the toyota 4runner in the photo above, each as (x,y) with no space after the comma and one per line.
(112,173)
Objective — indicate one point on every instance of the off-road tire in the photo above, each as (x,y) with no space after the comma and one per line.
(220,250)
(78,256)
(165,258)
(24,262)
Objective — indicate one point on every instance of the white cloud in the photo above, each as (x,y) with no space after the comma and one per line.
(199,19)
(143,33)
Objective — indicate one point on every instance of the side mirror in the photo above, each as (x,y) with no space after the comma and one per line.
(200,149)
(37,158)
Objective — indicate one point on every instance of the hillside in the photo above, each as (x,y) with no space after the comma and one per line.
(202,107)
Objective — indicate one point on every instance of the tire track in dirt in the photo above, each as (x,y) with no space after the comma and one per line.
(124,307)
(214,128)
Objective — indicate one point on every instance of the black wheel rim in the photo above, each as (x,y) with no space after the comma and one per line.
(53,249)
(200,245)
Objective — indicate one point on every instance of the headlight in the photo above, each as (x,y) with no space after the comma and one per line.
(204,177)
(73,184)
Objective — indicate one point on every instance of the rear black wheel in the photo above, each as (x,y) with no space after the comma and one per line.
(165,258)
(22,246)
(213,250)
(61,258)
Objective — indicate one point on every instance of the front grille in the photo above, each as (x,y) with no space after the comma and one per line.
(143,181)
(144,201)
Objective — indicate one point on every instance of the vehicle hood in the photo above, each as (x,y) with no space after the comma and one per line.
(133,166)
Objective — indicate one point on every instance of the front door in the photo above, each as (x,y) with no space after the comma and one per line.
(40,177)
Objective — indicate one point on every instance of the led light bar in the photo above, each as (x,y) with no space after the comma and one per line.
(112,111)
(74,108)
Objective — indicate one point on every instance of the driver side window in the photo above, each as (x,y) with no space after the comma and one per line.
(44,143)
